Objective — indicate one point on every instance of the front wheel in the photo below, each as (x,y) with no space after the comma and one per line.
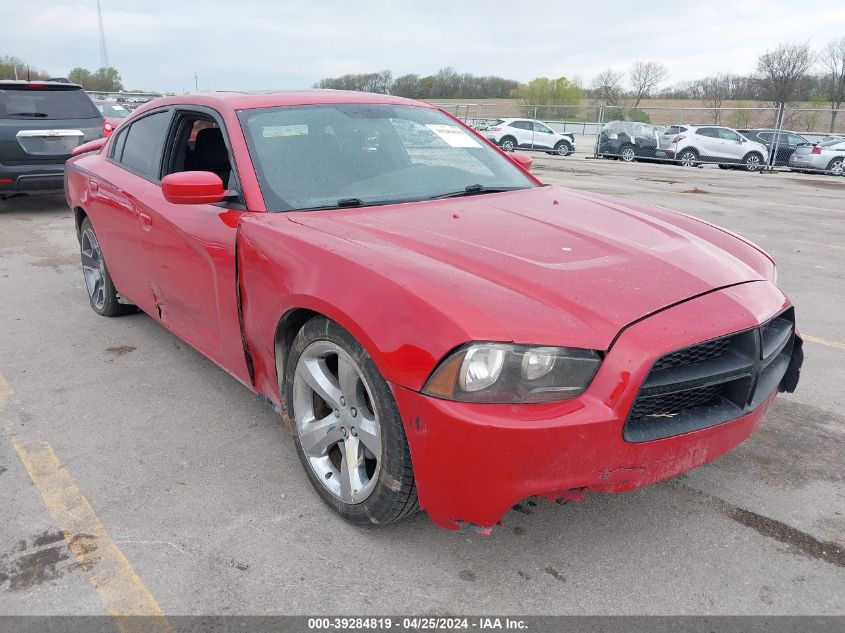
(563,148)
(752,162)
(835,167)
(102,294)
(348,432)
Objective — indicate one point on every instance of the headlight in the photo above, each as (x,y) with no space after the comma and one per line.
(506,373)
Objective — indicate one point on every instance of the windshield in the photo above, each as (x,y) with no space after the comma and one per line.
(32,101)
(328,156)
(113,110)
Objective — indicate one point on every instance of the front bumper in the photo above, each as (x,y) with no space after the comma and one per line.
(473,462)
(31,177)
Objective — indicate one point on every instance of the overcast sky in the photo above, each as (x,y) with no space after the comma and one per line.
(242,44)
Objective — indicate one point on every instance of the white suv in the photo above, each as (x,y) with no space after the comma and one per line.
(511,134)
(690,145)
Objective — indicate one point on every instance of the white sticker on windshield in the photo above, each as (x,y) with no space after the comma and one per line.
(272,131)
(454,136)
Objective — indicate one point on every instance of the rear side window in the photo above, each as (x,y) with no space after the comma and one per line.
(45,103)
(707,131)
(141,144)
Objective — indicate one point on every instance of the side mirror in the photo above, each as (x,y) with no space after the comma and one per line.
(193,187)
(742,139)
(522,159)
(91,146)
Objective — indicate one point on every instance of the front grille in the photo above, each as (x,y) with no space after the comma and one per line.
(672,404)
(704,351)
(711,382)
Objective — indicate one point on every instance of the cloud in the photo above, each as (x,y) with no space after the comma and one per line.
(281,44)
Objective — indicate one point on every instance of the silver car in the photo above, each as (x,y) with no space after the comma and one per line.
(827,156)
(691,145)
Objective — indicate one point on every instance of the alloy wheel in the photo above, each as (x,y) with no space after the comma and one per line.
(752,162)
(337,425)
(628,154)
(93,268)
(837,168)
(507,145)
(688,159)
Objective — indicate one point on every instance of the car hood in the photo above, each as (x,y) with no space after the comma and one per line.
(547,265)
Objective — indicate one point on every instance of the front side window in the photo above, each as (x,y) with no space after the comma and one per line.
(328,156)
(539,127)
(142,144)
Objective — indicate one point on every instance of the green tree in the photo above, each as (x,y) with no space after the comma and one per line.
(106,79)
(81,76)
(543,91)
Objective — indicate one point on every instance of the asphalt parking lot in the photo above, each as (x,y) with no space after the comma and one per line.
(196,483)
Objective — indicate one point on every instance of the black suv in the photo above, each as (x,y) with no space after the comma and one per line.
(787,143)
(40,123)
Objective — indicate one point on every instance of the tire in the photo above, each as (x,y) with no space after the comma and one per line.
(323,357)
(835,167)
(102,294)
(508,144)
(688,158)
(563,148)
(628,154)
(752,161)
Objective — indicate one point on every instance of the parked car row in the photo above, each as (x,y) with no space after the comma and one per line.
(693,145)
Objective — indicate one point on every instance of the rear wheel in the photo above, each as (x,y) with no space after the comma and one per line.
(688,158)
(628,154)
(835,167)
(102,294)
(508,144)
(348,431)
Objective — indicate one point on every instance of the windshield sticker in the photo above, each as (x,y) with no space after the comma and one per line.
(272,131)
(454,136)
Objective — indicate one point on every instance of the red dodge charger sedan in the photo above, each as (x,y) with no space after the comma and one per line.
(440,329)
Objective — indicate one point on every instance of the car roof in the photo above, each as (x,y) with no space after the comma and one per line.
(65,85)
(250,100)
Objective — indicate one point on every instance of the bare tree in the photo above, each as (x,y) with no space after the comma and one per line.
(780,71)
(645,77)
(607,86)
(833,63)
(713,91)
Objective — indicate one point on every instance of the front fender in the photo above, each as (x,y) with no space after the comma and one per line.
(285,266)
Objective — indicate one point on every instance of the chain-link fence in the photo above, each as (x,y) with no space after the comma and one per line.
(752,138)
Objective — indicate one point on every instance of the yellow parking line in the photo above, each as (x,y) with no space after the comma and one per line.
(823,341)
(120,589)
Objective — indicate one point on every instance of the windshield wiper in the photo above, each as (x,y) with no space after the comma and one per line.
(37,114)
(349,202)
(473,190)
